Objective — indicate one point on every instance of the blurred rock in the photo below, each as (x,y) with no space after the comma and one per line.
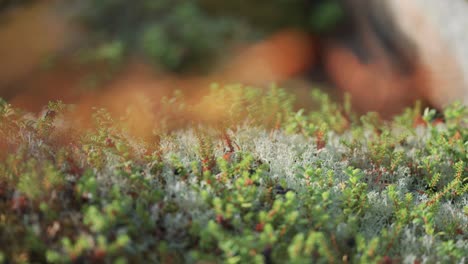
(439,31)
(400,51)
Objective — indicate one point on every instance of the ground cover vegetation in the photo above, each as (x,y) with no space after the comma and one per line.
(239,177)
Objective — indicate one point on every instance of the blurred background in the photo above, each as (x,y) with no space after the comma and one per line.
(106,52)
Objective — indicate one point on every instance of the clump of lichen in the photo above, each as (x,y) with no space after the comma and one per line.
(267,184)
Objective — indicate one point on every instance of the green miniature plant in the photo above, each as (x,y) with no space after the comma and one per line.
(266,184)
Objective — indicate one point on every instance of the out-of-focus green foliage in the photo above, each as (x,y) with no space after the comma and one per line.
(182,35)
(4,4)
(316,16)
(169,33)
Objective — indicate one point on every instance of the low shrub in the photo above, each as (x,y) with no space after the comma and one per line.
(238,178)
